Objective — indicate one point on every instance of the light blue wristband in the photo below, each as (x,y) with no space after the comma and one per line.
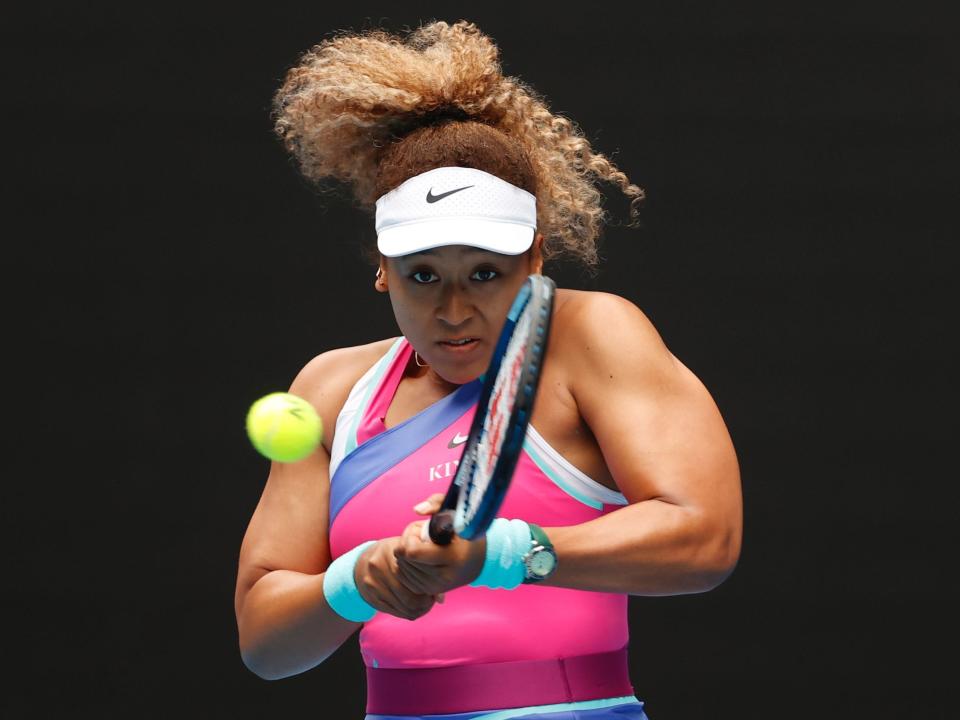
(507,542)
(340,587)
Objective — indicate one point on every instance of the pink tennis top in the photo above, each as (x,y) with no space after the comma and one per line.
(378,475)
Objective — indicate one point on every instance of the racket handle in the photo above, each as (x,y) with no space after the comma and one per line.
(441,527)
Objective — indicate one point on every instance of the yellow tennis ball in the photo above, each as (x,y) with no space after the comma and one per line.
(284,427)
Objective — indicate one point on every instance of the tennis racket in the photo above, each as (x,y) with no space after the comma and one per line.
(496,436)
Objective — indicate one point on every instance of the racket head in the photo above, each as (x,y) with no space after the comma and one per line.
(499,425)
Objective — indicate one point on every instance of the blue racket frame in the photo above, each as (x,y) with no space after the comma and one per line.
(539,290)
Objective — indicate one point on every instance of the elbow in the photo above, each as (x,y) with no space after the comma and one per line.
(256,665)
(251,659)
(257,658)
(716,575)
(262,669)
(273,664)
(259,655)
(726,555)
(717,558)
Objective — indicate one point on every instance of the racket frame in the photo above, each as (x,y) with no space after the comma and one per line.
(537,293)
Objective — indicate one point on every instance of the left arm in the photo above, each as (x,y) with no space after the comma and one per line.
(668,449)
(665,444)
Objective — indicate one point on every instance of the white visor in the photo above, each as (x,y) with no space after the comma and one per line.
(455,206)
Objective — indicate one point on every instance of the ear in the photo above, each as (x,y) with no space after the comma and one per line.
(536,255)
(380,284)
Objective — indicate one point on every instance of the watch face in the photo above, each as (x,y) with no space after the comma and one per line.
(542,563)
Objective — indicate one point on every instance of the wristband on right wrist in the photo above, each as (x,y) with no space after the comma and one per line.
(340,587)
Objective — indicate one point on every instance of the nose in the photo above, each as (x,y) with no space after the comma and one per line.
(455,307)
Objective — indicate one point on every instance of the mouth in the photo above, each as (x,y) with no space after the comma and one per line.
(459,345)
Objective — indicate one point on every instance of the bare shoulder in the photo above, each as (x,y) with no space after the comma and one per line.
(659,430)
(604,342)
(327,379)
(599,326)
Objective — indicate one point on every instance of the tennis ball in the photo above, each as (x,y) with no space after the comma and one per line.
(284,427)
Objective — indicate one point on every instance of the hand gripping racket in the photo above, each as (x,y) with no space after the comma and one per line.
(500,423)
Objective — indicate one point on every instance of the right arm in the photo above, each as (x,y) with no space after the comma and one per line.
(284,622)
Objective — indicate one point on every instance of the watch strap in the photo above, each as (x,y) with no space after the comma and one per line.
(537,534)
(539,543)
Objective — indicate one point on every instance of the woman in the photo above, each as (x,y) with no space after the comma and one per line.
(628,483)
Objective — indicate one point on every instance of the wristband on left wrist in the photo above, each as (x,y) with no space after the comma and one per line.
(507,542)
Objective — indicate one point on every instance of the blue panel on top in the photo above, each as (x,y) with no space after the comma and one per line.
(381,452)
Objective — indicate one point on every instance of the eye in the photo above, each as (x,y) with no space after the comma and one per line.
(484,274)
(423,277)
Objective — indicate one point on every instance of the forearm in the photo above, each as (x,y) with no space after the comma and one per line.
(286,625)
(647,548)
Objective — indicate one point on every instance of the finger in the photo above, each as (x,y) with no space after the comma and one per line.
(423,553)
(424,538)
(431,505)
(378,598)
(369,588)
(412,539)
(417,579)
(425,532)
(390,595)
(401,602)
(410,579)
(414,602)
(425,574)
(412,535)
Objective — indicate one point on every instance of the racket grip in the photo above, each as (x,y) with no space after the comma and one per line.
(441,527)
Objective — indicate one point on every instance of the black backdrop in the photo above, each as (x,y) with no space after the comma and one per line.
(168,266)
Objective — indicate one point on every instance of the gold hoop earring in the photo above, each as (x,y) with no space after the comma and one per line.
(416,359)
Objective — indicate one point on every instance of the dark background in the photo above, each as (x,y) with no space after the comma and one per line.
(167,266)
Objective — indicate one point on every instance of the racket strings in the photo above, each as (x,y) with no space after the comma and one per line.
(502,400)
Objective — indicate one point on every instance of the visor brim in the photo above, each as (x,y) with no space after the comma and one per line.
(500,237)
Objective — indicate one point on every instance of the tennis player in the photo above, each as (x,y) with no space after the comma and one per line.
(628,483)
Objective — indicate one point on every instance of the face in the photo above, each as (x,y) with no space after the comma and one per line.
(451,303)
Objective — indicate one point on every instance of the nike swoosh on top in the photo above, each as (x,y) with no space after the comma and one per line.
(431,198)
(458,439)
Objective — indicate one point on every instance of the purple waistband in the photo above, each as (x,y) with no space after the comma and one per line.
(495,686)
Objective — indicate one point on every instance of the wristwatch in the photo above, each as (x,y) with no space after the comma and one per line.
(541,559)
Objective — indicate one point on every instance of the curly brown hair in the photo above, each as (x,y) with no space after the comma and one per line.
(374,109)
